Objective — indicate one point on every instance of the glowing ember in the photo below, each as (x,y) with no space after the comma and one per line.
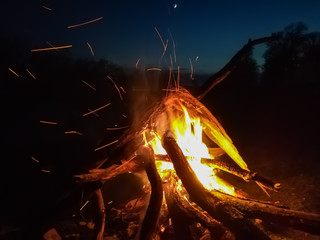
(188,134)
(51,48)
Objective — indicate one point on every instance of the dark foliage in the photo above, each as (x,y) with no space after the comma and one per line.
(293,60)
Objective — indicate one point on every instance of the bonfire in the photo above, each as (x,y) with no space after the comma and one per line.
(182,147)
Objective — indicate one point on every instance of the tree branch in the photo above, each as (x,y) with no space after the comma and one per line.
(228,68)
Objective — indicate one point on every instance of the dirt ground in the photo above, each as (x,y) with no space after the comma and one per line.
(277,133)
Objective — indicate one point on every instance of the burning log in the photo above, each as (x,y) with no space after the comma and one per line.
(242,173)
(234,212)
(150,220)
(220,163)
(186,212)
(223,212)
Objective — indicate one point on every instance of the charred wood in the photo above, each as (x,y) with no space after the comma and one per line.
(180,220)
(189,212)
(101,216)
(150,220)
(133,165)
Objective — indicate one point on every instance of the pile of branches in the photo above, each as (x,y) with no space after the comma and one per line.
(223,215)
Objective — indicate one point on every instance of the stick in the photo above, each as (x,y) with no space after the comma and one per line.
(242,173)
(232,169)
(227,69)
(133,165)
(101,220)
(150,220)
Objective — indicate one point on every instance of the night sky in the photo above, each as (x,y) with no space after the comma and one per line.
(206,33)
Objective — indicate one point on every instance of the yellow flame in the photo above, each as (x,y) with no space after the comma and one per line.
(188,134)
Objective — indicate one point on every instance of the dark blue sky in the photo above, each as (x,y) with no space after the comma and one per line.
(211,30)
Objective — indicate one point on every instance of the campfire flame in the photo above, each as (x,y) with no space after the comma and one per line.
(188,131)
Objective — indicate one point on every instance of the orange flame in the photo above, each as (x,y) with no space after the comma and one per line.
(188,134)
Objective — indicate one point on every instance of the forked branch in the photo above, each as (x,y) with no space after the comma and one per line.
(227,69)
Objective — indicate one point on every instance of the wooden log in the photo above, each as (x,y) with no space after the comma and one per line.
(180,220)
(101,216)
(303,221)
(231,217)
(234,170)
(242,173)
(133,165)
(189,212)
(150,220)
(214,202)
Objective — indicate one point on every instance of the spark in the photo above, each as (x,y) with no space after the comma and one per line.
(108,144)
(47,8)
(94,113)
(165,49)
(13,72)
(90,49)
(175,5)
(88,85)
(49,44)
(110,202)
(81,24)
(117,128)
(174,47)
(122,89)
(137,63)
(169,81)
(83,205)
(46,171)
(115,85)
(51,123)
(34,159)
(191,70)
(197,58)
(153,69)
(30,74)
(73,132)
(164,45)
(51,48)
(98,109)
(178,78)
(124,116)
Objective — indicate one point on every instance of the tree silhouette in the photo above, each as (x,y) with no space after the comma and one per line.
(294,58)
(310,62)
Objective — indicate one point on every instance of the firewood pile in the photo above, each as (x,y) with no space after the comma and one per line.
(180,203)
(185,193)
(187,204)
